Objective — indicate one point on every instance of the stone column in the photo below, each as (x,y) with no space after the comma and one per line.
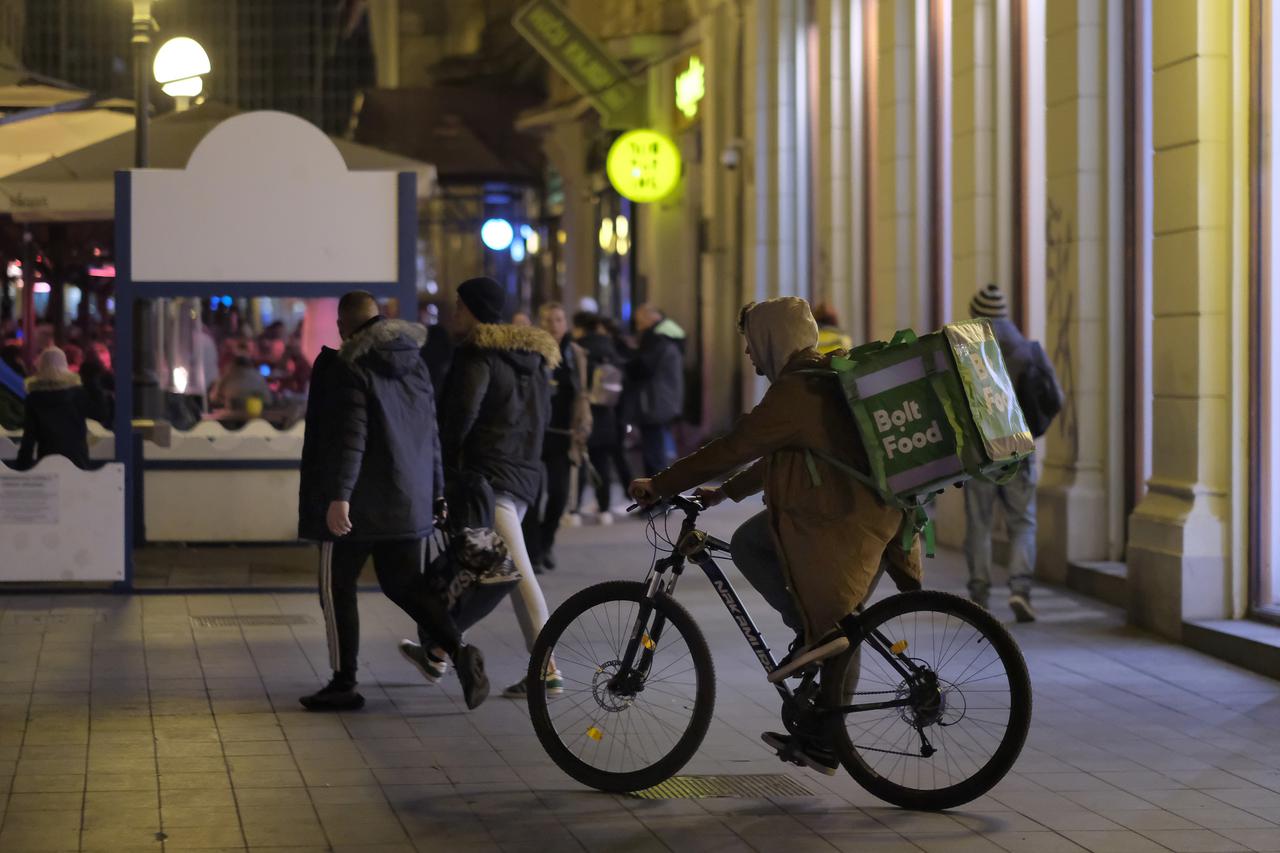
(1180,535)
(1073,500)
(898,298)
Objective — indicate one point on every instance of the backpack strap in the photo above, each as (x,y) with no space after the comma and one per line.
(915,520)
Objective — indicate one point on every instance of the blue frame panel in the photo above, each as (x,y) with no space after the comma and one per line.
(404,289)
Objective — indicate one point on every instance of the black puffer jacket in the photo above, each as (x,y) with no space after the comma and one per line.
(497,406)
(54,421)
(319,445)
(387,461)
(658,374)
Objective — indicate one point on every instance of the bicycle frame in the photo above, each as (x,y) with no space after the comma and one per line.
(696,546)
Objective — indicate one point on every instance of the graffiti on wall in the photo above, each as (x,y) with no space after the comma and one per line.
(1061,310)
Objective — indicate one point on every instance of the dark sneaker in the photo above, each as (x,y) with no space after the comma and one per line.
(549,561)
(334,696)
(431,667)
(504,572)
(832,644)
(813,757)
(980,600)
(1021,607)
(475,684)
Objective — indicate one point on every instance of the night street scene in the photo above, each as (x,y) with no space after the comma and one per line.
(639,425)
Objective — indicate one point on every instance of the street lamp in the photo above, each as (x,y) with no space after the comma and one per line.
(143,24)
(179,66)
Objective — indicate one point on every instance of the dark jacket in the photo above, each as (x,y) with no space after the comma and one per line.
(99,390)
(1016,350)
(387,447)
(604,419)
(319,444)
(54,421)
(658,373)
(497,407)
(438,353)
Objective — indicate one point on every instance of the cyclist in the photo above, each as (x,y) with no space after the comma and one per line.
(815,552)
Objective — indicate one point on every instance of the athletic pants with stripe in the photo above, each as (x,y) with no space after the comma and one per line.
(398,565)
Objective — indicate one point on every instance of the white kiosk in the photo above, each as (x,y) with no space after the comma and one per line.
(265,207)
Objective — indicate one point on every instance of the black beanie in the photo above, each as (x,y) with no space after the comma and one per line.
(484,298)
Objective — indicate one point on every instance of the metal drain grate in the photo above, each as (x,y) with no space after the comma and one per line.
(758,786)
(259,621)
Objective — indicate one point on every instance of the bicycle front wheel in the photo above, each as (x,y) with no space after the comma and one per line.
(622,732)
(963,715)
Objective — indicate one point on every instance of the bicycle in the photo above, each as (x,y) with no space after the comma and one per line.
(639,685)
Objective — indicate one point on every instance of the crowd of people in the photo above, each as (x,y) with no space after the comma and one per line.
(529,416)
(402,412)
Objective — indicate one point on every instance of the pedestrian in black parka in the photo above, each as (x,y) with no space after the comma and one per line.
(371,464)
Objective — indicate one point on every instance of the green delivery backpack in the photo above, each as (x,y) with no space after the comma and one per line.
(932,411)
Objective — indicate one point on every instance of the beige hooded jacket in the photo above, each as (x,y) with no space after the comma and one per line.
(831,536)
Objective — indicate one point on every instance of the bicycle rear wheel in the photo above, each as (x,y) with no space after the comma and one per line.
(974,713)
(617,737)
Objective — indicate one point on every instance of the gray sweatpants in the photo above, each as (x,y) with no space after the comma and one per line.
(1018,500)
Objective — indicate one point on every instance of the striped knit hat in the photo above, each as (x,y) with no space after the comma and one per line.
(989,302)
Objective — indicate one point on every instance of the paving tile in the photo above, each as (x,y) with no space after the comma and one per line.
(1194,841)
(1114,841)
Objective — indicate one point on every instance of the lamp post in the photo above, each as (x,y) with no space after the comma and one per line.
(143,24)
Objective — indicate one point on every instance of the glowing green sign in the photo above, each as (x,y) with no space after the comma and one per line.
(690,87)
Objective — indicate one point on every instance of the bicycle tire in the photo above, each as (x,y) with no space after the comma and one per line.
(704,702)
(1011,743)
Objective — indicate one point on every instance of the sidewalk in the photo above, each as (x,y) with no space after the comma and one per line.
(142,724)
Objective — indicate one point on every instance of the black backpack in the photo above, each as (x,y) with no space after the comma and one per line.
(1038,393)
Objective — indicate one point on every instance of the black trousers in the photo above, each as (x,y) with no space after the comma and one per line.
(399,565)
(540,528)
(607,459)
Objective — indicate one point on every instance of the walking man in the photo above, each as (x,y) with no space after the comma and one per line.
(564,447)
(495,414)
(1040,398)
(371,477)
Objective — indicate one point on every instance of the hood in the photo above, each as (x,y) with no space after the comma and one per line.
(55,382)
(390,347)
(523,347)
(669,328)
(776,330)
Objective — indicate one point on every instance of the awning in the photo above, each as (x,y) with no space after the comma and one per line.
(32,141)
(79,186)
(468,133)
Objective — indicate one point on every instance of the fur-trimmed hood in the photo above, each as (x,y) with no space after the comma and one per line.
(377,333)
(514,341)
(57,382)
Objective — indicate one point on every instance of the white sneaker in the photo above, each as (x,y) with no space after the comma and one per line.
(571,519)
(604,519)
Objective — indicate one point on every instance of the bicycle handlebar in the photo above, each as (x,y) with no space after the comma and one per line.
(686,504)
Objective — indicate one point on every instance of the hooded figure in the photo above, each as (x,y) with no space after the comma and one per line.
(55,412)
(826,534)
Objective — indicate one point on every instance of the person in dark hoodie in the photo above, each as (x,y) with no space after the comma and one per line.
(55,412)
(496,410)
(371,478)
(658,374)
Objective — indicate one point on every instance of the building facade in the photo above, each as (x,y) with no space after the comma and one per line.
(1107,165)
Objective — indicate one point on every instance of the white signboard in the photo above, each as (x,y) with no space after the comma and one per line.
(28,498)
(265,197)
(59,523)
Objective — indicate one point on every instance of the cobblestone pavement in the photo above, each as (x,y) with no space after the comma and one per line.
(127,726)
